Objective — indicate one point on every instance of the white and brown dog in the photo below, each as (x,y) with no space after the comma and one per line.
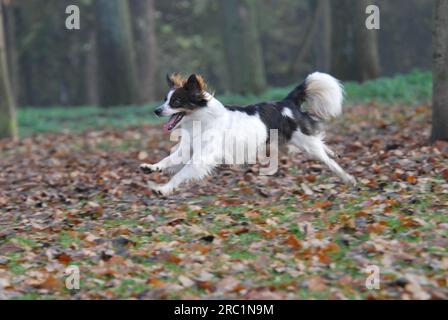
(298,119)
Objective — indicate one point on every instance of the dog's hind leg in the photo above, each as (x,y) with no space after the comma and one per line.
(330,152)
(316,148)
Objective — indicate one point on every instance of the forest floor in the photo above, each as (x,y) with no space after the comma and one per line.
(79,199)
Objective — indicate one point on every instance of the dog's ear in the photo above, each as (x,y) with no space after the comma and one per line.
(175,80)
(169,81)
(195,83)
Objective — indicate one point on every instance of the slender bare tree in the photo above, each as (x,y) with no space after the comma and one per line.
(116,55)
(10,12)
(307,42)
(323,44)
(440,72)
(242,46)
(8,118)
(355,53)
(143,22)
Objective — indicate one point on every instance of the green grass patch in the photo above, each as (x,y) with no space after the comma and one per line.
(413,88)
(66,240)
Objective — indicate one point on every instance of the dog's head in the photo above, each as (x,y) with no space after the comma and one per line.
(184,98)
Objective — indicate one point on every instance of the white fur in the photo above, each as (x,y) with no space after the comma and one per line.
(201,151)
(316,148)
(286,112)
(167,110)
(324,95)
(208,148)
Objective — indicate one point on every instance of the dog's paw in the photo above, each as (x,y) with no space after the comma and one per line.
(147,168)
(333,154)
(161,190)
(351,180)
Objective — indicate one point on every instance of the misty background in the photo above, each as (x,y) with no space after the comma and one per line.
(124,48)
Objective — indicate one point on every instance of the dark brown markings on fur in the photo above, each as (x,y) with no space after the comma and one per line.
(175,80)
(249,110)
(298,95)
(294,100)
(271,115)
(191,95)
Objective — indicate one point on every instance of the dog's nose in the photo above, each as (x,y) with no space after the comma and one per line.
(158,111)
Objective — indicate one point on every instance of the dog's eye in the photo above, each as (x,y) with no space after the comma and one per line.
(176,103)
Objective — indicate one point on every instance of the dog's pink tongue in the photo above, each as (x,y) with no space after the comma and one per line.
(167,126)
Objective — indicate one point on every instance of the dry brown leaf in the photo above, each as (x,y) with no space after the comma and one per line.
(293,242)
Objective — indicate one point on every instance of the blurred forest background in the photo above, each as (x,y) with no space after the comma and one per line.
(124,48)
(71,193)
(229,41)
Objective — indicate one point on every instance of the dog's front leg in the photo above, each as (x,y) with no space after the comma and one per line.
(175,159)
(191,171)
(174,169)
(162,165)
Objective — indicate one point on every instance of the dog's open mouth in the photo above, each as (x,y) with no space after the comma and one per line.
(174,121)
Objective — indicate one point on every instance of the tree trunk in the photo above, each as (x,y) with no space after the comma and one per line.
(143,14)
(91,71)
(355,48)
(246,73)
(342,40)
(440,72)
(11,46)
(8,119)
(116,56)
(323,44)
(309,38)
(366,45)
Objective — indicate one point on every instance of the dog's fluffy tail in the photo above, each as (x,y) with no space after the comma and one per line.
(322,94)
